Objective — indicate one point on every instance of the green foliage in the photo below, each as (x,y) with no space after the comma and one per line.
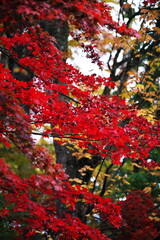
(18,161)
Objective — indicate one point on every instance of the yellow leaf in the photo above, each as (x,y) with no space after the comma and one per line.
(107,71)
(147,189)
(157,168)
(126,182)
(87,155)
(70,148)
(16,69)
(140,86)
(149,99)
(136,165)
(125,95)
(77,180)
(73,43)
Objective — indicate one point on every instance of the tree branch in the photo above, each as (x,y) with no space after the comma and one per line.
(3,50)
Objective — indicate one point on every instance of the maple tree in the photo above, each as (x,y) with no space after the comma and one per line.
(41,94)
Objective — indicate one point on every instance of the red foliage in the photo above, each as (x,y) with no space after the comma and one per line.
(136,210)
(85,15)
(24,194)
(150,2)
(85,117)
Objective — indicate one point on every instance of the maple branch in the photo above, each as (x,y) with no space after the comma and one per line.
(133,16)
(70,136)
(3,50)
(105,183)
(94,184)
(66,96)
(139,12)
(105,180)
(6,189)
(125,59)
(110,57)
(91,206)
